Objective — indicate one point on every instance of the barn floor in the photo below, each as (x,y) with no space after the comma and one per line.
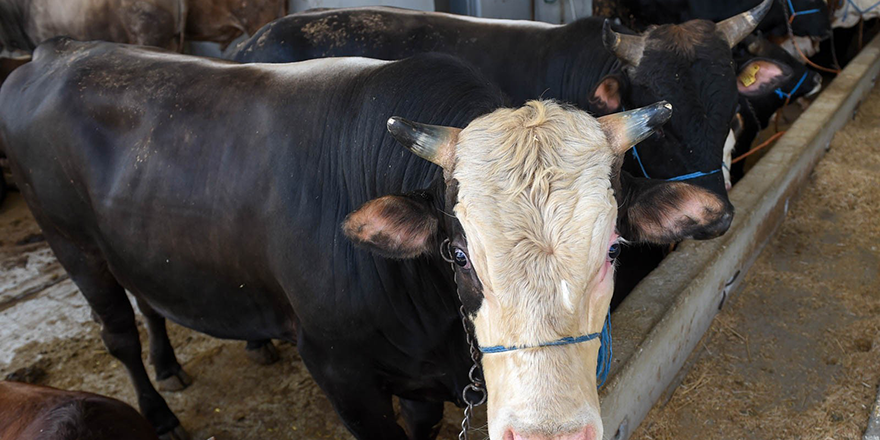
(795,355)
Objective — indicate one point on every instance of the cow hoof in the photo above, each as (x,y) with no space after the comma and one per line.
(175,382)
(266,354)
(177,433)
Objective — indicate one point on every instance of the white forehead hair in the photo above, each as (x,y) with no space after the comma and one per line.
(535,198)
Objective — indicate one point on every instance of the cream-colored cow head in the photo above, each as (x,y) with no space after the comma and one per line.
(531,210)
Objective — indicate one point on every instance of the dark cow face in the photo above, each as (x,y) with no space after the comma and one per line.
(769,73)
(811,18)
(527,217)
(768,77)
(690,65)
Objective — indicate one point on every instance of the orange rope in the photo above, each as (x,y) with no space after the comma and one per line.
(814,65)
(759,147)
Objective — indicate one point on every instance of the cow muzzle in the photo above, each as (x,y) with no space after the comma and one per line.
(587,433)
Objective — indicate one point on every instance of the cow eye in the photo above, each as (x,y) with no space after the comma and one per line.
(460,257)
(614,251)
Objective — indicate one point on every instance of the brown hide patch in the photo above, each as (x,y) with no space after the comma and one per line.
(392,226)
(222,21)
(43,413)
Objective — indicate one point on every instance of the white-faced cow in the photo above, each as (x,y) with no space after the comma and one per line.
(585,63)
(269,201)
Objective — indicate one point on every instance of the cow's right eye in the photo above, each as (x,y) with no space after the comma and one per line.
(460,257)
(614,251)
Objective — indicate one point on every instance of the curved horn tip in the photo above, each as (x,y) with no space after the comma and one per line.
(392,122)
(664,112)
(609,38)
(736,28)
(758,12)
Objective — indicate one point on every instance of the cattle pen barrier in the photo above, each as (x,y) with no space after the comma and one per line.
(665,316)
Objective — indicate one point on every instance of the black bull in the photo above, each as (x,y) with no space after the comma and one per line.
(214,193)
(688,65)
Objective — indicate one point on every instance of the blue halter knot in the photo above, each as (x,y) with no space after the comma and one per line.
(783,95)
(688,176)
(602,367)
(796,13)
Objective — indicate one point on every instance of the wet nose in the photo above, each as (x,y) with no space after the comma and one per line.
(587,433)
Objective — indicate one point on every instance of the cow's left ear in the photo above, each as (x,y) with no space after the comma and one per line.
(662,212)
(760,76)
(395,226)
(607,96)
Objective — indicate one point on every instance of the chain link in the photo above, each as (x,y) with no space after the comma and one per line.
(476,384)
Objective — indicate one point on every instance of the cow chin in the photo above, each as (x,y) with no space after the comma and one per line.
(544,394)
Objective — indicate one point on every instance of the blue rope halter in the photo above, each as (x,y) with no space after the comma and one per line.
(796,13)
(694,175)
(602,367)
(688,176)
(783,95)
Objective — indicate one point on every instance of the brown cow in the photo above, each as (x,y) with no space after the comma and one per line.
(24,24)
(33,412)
(222,21)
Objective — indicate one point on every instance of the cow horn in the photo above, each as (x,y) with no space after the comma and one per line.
(434,143)
(628,48)
(626,129)
(739,26)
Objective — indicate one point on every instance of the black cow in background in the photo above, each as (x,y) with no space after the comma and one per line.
(768,79)
(585,63)
(812,22)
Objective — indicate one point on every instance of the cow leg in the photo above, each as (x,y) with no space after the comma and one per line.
(108,301)
(422,418)
(262,352)
(364,407)
(169,374)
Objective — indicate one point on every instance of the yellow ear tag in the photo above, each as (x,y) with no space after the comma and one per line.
(748,76)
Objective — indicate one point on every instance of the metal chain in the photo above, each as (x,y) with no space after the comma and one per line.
(476,384)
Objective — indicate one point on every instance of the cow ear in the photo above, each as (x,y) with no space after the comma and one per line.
(395,226)
(606,97)
(760,77)
(657,211)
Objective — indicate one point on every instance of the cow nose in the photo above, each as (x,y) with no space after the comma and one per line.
(719,226)
(587,433)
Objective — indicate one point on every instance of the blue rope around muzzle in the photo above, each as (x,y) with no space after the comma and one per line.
(604,361)
(783,95)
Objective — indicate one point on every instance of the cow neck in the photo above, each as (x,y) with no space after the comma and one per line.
(577,64)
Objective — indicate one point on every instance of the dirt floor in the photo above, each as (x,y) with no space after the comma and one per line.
(796,353)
